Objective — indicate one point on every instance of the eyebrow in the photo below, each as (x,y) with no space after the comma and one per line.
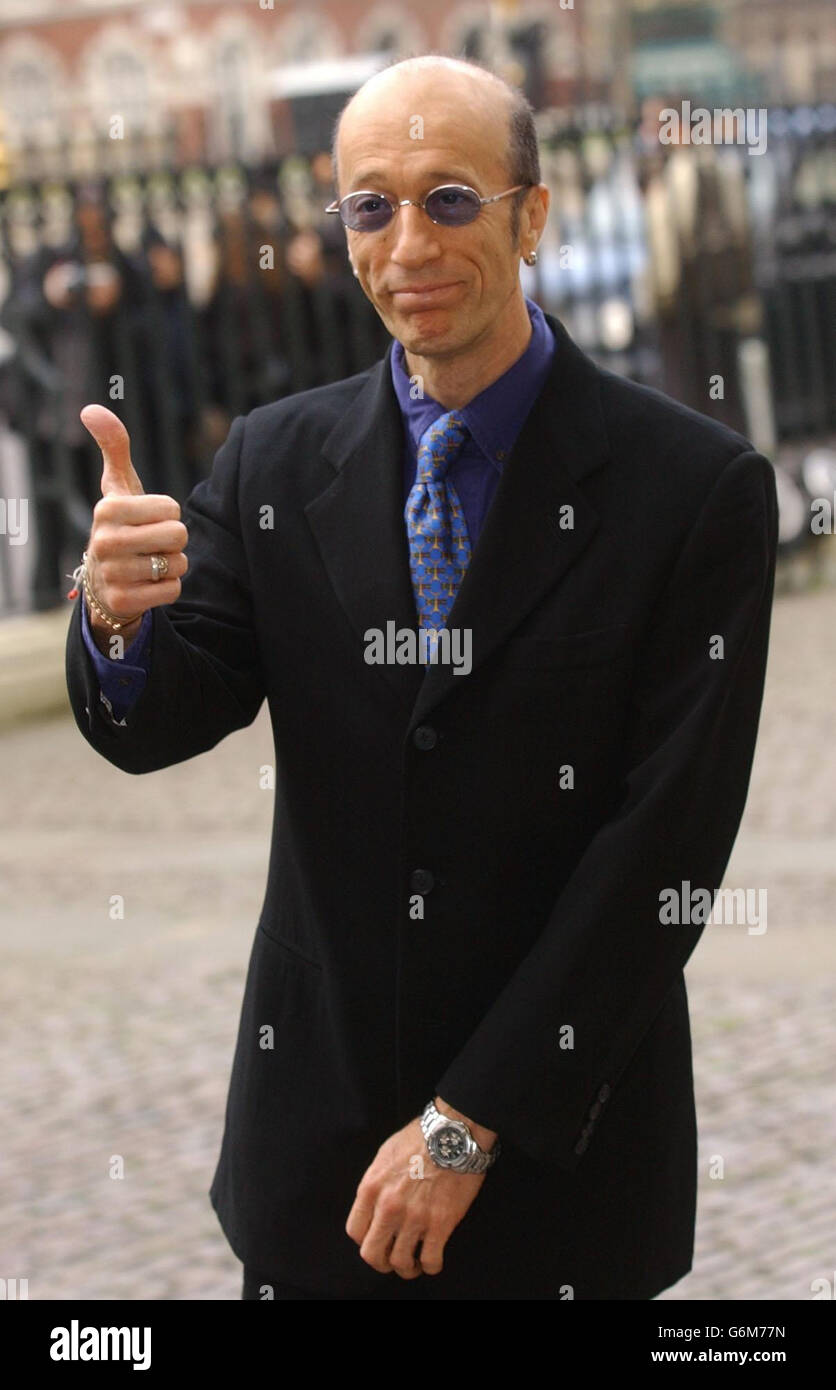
(434,177)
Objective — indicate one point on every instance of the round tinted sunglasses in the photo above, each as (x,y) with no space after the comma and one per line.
(449,205)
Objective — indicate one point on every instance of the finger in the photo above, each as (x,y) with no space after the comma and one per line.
(118,472)
(136,569)
(136,511)
(377,1244)
(402,1255)
(431,1255)
(135,598)
(359,1219)
(157,538)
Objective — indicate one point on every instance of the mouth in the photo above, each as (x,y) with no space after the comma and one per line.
(425,296)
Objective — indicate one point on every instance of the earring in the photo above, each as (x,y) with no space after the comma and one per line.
(531,258)
(355,271)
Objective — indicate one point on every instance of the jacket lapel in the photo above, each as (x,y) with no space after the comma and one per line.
(525,547)
(359,524)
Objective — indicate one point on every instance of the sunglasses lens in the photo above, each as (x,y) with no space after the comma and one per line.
(453,207)
(365,212)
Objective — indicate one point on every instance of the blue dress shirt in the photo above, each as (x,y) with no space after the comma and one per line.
(494,419)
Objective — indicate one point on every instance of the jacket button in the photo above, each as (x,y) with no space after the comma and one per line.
(421,881)
(425,737)
(604,1094)
(581,1146)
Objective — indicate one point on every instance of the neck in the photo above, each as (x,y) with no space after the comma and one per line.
(454,380)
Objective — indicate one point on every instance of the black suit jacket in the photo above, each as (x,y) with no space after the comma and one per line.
(539,994)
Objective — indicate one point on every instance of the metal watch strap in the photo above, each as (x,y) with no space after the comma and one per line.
(477,1162)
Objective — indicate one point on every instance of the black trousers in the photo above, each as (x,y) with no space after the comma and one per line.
(427,1287)
(262,1287)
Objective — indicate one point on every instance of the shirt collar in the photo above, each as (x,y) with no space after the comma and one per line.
(496,416)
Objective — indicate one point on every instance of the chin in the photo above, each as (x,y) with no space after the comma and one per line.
(432,330)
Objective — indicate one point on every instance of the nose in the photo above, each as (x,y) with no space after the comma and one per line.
(414,237)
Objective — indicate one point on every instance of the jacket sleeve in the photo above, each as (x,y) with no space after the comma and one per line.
(120,681)
(205,677)
(605,960)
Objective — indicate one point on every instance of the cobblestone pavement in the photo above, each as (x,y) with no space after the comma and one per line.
(118,1034)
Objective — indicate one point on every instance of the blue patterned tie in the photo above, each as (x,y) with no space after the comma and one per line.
(439,546)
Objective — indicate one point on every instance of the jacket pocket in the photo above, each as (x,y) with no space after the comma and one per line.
(290,948)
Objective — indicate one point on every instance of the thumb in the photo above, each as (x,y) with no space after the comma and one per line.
(118,473)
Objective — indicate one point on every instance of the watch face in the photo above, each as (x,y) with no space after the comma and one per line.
(449,1142)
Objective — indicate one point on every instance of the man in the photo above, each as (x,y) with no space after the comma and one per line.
(472,831)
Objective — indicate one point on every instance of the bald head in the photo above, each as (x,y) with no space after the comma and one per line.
(468,82)
(469,94)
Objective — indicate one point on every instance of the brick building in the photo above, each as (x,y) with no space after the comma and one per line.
(207,79)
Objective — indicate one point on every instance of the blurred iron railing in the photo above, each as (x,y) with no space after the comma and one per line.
(668,266)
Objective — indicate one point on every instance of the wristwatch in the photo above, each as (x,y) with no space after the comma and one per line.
(451,1144)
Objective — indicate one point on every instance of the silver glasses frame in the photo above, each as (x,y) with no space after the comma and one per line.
(336,206)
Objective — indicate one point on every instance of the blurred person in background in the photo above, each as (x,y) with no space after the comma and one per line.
(241,325)
(71,307)
(168,419)
(322,308)
(332,237)
(700,266)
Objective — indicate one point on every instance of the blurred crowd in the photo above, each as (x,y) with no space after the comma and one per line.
(178,322)
(182,299)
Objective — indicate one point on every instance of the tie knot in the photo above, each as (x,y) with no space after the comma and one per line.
(439,445)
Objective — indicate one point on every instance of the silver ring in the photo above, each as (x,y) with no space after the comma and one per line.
(159,567)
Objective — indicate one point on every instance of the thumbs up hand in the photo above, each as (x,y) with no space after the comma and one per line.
(129,527)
